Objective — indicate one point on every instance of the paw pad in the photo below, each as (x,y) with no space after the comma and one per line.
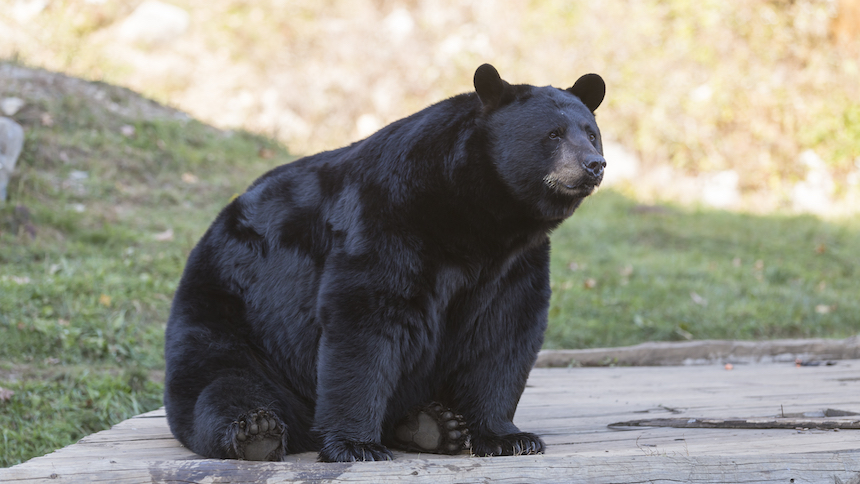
(258,435)
(432,429)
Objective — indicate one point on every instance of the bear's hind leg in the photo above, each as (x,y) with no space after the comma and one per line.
(433,429)
(237,419)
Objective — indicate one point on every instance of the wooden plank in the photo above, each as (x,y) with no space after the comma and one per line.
(657,469)
(571,409)
(153,414)
(705,352)
(746,423)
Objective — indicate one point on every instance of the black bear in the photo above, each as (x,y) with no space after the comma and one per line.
(391,293)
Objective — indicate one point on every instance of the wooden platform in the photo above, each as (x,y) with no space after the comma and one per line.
(571,409)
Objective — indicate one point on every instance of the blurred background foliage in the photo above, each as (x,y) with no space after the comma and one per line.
(700,86)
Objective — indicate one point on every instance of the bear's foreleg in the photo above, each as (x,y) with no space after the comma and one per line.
(356,374)
(371,333)
(502,345)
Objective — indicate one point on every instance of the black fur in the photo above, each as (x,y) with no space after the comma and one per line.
(346,288)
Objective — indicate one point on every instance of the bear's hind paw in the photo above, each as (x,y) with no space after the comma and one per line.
(433,429)
(258,435)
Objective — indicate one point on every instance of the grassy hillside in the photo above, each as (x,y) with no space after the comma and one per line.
(110,195)
(112,192)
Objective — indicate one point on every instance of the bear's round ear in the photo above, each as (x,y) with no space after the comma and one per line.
(489,85)
(590,89)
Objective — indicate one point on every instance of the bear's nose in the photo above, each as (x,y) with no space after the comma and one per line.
(594,166)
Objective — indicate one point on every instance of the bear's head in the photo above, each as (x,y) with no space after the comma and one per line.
(545,142)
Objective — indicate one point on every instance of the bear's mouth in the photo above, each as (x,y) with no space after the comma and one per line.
(587,187)
(581,189)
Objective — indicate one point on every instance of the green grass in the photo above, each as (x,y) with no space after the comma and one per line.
(623,274)
(84,295)
(53,409)
(87,269)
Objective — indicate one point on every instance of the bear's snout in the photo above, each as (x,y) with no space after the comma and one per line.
(576,175)
(594,166)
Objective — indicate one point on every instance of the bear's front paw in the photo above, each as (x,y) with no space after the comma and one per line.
(522,443)
(352,451)
(258,435)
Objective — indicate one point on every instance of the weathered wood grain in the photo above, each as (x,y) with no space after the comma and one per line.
(571,408)
(705,352)
(745,423)
(657,469)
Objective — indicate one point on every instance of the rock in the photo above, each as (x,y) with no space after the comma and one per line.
(11,143)
(367,124)
(11,105)
(78,175)
(154,22)
(25,10)
(702,94)
(292,125)
(399,24)
(851,201)
(808,198)
(813,194)
(720,189)
(812,161)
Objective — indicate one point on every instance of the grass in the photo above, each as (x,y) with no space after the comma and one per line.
(53,409)
(624,273)
(92,244)
(100,221)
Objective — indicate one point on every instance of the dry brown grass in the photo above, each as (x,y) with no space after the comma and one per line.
(699,85)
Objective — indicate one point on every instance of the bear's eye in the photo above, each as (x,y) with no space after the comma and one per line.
(555,134)
(592,137)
